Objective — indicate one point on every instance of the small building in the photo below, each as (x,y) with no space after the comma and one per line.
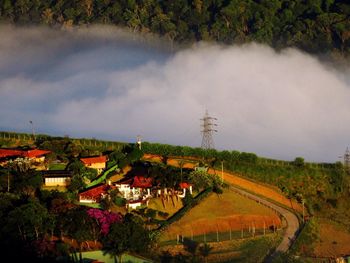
(57,177)
(135,187)
(9,154)
(35,156)
(98,163)
(95,193)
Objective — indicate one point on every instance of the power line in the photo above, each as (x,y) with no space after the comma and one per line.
(208,128)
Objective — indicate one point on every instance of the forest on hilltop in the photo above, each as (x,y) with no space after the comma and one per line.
(315,26)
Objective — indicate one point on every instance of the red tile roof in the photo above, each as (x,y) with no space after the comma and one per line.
(9,153)
(91,160)
(142,182)
(35,153)
(95,192)
(21,153)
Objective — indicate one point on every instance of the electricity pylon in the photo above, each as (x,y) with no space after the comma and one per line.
(347,158)
(207,131)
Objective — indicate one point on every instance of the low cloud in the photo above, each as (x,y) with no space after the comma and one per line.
(104,83)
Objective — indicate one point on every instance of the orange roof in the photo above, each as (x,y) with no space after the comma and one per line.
(9,153)
(91,160)
(28,153)
(34,153)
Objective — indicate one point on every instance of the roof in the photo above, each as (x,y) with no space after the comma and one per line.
(57,173)
(142,182)
(125,180)
(22,153)
(91,160)
(35,153)
(9,153)
(96,191)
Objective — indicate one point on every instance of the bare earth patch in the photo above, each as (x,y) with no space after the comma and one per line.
(334,240)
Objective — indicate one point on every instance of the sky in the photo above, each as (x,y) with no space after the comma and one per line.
(101,82)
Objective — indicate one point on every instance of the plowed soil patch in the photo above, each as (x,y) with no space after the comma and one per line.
(223,213)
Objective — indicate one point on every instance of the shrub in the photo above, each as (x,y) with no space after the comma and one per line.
(299,162)
(151,213)
(119,201)
(163,214)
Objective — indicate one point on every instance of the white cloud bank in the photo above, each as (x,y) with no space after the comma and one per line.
(103,83)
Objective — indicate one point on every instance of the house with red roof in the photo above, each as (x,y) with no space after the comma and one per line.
(35,156)
(95,193)
(98,163)
(136,190)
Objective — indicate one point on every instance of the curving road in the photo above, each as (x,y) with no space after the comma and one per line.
(290,218)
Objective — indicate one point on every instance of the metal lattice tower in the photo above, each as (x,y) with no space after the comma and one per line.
(207,131)
(347,158)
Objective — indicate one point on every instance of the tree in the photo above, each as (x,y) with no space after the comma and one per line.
(129,235)
(26,182)
(29,221)
(204,250)
(78,225)
(299,162)
(190,246)
(116,242)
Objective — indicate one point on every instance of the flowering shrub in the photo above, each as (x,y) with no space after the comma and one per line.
(104,218)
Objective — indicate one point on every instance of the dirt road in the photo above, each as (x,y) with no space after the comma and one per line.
(291,219)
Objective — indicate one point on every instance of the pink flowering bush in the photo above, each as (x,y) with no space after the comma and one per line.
(104,218)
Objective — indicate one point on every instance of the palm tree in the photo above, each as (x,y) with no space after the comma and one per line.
(204,250)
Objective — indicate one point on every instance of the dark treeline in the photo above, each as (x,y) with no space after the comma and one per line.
(316,26)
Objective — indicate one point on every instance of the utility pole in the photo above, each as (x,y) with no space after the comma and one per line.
(207,131)
(31,123)
(139,141)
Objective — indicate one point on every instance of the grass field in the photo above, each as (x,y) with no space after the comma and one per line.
(57,166)
(222,213)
